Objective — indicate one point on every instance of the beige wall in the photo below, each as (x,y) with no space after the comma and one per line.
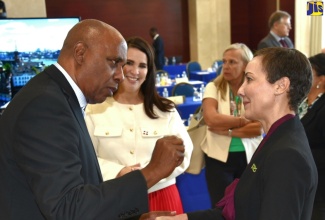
(25,8)
(209,22)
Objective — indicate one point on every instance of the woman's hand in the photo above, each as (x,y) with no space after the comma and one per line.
(128,169)
(177,217)
(154,215)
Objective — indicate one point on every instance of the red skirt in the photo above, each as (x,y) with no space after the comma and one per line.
(166,199)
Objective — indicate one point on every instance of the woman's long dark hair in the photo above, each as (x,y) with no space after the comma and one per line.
(148,87)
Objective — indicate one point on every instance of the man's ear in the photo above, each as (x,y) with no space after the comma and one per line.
(79,51)
(282,85)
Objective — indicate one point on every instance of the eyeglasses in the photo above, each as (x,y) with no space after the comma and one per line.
(286,24)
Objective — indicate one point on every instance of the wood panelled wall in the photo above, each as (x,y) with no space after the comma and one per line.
(249,19)
(134,17)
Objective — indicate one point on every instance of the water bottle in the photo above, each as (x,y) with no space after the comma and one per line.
(162,80)
(174,60)
(215,66)
(202,91)
(189,119)
(184,74)
(158,80)
(196,95)
(165,93)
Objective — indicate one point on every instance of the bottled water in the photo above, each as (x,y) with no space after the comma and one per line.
(174,60)
(157,80)
(215,66)
(184,74)
(202,89)
(165,93)
(162,80)
(189,119)
(196,95)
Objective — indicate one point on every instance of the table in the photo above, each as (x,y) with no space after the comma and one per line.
(188,107)
(174,70)
(204,75)
(160,89)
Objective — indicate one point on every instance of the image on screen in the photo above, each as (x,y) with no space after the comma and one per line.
(28,45)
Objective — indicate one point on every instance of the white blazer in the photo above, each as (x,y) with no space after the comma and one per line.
(123,135)
(217,146)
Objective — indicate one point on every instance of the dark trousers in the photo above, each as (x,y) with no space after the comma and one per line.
(219,174)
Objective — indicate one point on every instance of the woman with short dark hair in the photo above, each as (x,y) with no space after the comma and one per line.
(280,181)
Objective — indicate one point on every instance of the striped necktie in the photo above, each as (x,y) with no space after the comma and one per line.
(283,43)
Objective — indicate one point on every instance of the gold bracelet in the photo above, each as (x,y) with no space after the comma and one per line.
(229,132)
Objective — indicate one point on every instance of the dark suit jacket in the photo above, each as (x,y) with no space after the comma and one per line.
(48,167)
(314,124)
(158,46)
(284,184)
(270,41)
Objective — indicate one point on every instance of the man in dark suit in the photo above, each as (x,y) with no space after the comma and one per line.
(280,26)
(48,167)
(158,45)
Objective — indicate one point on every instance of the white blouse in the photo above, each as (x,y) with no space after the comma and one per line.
(123,135)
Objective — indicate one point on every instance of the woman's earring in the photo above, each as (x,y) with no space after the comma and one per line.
(317,87)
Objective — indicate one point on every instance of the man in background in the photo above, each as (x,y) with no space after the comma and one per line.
(280,26)
(158,45)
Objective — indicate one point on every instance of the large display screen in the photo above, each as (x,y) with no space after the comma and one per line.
(28,45)
(34,39)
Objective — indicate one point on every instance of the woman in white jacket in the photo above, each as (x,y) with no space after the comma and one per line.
(125,128)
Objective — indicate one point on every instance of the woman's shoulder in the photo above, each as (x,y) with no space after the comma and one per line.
(100,107)
(159,112)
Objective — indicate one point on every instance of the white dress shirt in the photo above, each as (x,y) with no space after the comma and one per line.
(80,96)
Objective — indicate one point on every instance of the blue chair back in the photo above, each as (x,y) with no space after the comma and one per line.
(192,66)
(184,89)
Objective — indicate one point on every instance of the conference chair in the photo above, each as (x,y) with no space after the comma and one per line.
(183,88)
(192,66)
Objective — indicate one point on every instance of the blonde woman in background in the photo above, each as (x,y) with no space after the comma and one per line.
(231,139)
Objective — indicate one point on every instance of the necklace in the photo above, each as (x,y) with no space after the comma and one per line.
(235,104)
